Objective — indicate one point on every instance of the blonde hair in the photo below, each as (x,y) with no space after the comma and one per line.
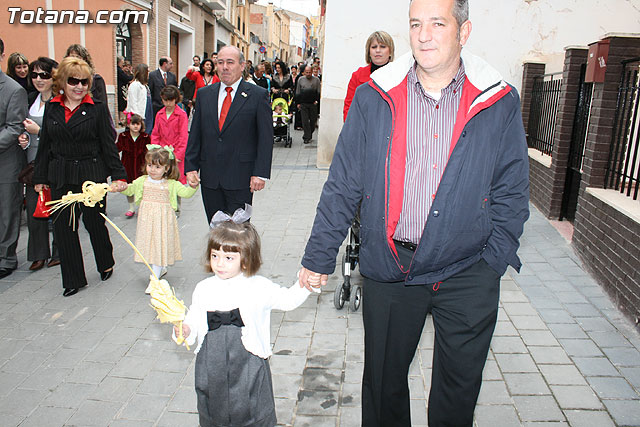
(160,157)
(71,67)
(382,38)
(242,238)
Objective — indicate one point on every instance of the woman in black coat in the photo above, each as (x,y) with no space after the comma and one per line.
(281,82)
(41,77)
(76,146)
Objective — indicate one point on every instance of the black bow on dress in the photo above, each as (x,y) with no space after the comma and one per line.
(215,319)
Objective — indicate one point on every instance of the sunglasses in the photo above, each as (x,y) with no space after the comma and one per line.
(72,81)
(43,76)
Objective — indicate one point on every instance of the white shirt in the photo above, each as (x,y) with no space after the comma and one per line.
(223,94)
(254,296)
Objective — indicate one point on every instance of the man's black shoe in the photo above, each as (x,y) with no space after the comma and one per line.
(4,272)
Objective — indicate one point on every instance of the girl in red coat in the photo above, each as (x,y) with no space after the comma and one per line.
(171,126)
(133,145)
(378,53)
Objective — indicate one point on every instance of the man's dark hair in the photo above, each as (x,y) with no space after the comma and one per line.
(1,47)
(163,61)
(197,56)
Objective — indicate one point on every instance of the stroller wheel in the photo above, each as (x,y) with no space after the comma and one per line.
(338,294)
(356,298)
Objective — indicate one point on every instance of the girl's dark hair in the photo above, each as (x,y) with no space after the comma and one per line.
(137,118)
(160,156)
(213,66)
(169,93)
(141,73)
(231,237)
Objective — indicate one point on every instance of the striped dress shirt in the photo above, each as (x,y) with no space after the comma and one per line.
(429,129)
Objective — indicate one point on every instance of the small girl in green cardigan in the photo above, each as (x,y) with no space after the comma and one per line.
(157,192)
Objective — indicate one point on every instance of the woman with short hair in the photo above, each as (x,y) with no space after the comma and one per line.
(76,145)
(378,52)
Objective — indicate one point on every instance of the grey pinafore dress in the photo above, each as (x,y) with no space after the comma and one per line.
(233,386)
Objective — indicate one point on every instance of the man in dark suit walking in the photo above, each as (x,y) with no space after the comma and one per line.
(13,111)
(158,79)
(231,138)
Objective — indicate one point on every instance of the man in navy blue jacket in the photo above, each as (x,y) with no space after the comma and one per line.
(434,150)
(231,138)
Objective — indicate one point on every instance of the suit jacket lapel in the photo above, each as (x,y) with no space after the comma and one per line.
(238,101)
(79,117)
(214,105)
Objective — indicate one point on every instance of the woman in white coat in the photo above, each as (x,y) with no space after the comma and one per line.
(139,97)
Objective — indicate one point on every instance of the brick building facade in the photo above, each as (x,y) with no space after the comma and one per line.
(607,224)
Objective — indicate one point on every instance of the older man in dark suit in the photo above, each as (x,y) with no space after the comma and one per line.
(231,138)
(158,79)
(13,110)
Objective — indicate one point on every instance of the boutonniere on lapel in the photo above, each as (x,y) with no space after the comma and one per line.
(244,94)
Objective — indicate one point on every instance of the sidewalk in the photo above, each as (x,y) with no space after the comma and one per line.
(562,354)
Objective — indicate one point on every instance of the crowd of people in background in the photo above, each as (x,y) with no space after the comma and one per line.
(153,107)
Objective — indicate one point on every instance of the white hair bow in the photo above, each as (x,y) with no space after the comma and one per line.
(239,216)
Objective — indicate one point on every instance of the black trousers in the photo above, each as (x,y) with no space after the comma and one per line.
(220,199)
(38,242)
(65,233)
(464,310)
(309,118)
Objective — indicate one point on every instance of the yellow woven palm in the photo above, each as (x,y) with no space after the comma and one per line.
(163,299)
(169,308)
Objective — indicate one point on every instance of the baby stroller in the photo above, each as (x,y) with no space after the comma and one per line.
(345,292)
(281,122)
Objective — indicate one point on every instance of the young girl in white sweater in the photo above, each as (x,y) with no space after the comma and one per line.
(230,318)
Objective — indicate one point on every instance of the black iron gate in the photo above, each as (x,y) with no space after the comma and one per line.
(576,149)
(544,108)
(623,169)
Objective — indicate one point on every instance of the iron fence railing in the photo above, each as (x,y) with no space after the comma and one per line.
(623,169)
(544,108)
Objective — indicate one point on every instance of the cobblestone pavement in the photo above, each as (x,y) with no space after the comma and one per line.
(562,353)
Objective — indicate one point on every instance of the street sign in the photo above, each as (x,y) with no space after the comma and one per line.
(263,49)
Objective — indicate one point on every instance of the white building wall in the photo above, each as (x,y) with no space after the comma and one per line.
(505,32)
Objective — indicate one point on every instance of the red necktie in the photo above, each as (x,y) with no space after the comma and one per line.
(226,104)
(164,77)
